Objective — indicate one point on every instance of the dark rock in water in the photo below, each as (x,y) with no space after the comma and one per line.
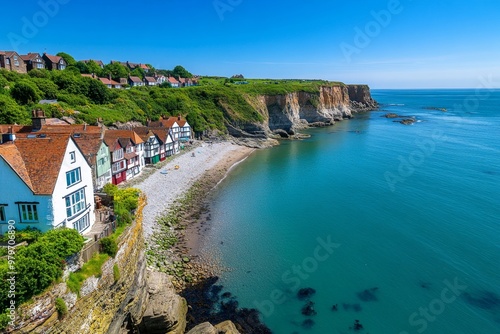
(208,307)
(308,309)
(436,108)
(486,300)
(391,115)
(308,323)
(226,295)
(305,293)
(407,121)
(425,285)
(357,307)
(335,307)
(357,326)
(368,295)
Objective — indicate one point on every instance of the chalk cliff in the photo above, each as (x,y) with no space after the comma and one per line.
(285,114)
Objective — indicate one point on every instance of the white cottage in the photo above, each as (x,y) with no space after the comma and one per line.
(49,184)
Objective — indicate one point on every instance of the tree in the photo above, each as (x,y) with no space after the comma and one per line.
(138,72)
(116,70)
(11,112)
(82,67)
(97,91)
(70,61)
(181,72)
(94,68)
(25,92)
(47,87)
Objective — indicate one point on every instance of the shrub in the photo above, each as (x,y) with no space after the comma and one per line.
(110,189)
(116,272)
(29,234)
(4,320)
(63,241)
(25,92)
(61,307)
(109,246)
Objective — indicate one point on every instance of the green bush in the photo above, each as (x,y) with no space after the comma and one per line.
(4,320)
(61,307)
(108,246)
(110,189)
(29,234)
(116,272)
(25,92)
(39,264)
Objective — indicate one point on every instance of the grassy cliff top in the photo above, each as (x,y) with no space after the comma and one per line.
(208,106)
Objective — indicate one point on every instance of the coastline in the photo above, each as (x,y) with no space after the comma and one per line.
(177,213)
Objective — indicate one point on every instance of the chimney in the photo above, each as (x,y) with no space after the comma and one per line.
(38,119)
(179,117)
(7,137)
(109,76)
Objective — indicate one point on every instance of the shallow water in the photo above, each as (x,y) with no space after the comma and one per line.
(396,225)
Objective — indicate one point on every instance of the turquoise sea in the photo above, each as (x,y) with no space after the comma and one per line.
(398,226)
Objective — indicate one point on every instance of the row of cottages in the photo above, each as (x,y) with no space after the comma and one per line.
(12,61)
(126,150)
(49,183)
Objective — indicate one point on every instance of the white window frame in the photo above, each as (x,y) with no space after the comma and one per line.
(72,156)
(28,213)
(118,154)
(73,177)
(75,203)
(82,224)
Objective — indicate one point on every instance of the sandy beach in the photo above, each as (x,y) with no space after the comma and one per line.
(210,161)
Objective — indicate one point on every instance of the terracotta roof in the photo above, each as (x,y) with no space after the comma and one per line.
(24,130)
(144,67)
(181,122)
(135,79)
(161,134)
(173,80)
(13,158)
(89,144)
(37,161)
(54,59)
(107,81)
(111,136)
(169,122)
(150,79)
(143,132)
(30,56)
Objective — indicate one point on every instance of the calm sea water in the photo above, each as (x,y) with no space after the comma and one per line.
(399,226)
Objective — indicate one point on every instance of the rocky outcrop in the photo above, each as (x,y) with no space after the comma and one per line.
(140,301)
(226,327)
(286,114)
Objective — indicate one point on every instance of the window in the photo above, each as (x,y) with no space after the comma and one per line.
(72,156)
(73,177)
(130,149)
(75,203)
(82,224)
(3,218)
(118,166)
(7,61)
(29,213)
(39,65)
(117,155)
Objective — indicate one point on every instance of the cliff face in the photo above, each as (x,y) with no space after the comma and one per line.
(285,114)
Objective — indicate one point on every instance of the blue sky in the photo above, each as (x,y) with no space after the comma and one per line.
(386,44)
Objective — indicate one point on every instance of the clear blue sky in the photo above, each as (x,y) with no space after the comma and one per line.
(420,44)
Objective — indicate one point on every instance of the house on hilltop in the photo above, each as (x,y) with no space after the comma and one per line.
(33,61)
(49,183)
(12,61)
(54,63)
(135,81)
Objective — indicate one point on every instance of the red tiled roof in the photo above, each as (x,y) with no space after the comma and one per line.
(24,130)
(37,160)
(89,144)
(54,59)
(135,79)
(173,80)
(107,81)
(144,67)
(13,158)
(112,135)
